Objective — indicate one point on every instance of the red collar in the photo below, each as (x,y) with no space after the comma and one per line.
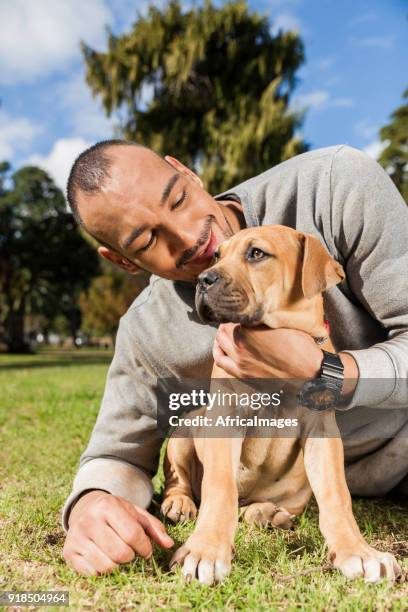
(322,339)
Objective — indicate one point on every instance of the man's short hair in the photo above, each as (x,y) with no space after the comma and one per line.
(89,172)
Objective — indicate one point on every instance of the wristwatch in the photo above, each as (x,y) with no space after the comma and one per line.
(324,393)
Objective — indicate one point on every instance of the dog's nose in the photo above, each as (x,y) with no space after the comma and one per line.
(207,279)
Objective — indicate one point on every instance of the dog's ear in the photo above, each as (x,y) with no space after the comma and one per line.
(319,270)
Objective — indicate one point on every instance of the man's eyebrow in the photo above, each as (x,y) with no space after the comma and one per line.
(133,235)
(170,184)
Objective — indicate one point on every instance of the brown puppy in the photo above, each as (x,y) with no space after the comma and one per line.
(270,275)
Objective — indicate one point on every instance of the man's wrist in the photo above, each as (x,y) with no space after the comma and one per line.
(317,366)
(351,375)
(351,372)
(83,500)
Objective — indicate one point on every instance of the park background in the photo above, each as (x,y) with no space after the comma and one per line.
(231,89)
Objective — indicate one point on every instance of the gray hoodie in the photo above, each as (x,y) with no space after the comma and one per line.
(348,201)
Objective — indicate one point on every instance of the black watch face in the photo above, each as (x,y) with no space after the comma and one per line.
(319,395)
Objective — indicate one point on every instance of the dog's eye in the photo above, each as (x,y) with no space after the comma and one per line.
(255,254)
(216,255)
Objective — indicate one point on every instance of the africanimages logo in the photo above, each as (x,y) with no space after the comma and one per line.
(214,408)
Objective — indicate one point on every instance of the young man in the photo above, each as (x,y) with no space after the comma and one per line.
(153,213)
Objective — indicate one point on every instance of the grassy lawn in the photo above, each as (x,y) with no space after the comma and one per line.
(48,406)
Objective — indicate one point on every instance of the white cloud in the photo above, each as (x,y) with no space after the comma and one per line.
(285,22)
(273,3)
(127,11)
(364,129)
(41,37)
(375,148)
(319,100)
(324,63)
(16,134)
(314,99)
(341,102)
(60,159)
(333,80)
(84,113)
(364,18)
(377,42)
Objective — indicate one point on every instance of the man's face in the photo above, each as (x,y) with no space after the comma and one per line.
(156,216)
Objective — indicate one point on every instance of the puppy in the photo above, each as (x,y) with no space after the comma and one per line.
(271,275)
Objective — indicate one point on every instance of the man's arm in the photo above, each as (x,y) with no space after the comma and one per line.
(370,229)
(369,224)
(105,516)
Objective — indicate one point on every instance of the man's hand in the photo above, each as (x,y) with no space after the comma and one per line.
(105,531)
(261,352)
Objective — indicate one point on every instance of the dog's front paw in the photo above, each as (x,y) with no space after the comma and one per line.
(205,557)
(179,508)
(362,560)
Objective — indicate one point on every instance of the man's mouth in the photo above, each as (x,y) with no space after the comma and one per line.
(206,253)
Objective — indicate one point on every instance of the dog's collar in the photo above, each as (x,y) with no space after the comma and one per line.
(322,339)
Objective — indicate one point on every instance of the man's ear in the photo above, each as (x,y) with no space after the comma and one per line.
(118,260)
(319,270)
(183,169)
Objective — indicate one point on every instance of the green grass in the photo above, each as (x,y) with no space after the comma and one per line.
(48,406)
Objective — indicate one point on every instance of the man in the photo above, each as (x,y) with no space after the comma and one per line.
(153,213)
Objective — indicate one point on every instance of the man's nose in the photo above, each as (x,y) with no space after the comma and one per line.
(180,238)
(207,279)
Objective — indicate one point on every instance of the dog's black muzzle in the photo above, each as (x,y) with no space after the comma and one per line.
(217,300)
(211,284)
(208,280)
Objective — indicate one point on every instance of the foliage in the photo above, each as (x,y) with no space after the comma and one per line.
(44,261)
(395,155)
(210,85)
(107,299)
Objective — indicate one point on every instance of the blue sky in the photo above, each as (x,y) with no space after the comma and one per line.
(352,80)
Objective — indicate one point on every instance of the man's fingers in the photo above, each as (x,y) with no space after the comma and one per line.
(223,361)
(225,339)
(87,558)
(130,530)
(226,364)
(220,355)
(79,563)
(98,559)
(217,350)
(107,540)
(155,528)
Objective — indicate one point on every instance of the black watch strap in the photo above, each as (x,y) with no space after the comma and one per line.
(332,367)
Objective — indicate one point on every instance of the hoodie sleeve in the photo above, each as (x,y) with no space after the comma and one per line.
(123,451)
(370,226)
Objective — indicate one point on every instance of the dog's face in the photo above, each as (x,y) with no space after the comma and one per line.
(261,270)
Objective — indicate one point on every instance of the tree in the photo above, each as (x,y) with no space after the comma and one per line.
(107,299)
(44,261)
(394,157)
(209,85)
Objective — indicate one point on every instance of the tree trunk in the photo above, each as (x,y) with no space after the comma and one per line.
(15,328)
